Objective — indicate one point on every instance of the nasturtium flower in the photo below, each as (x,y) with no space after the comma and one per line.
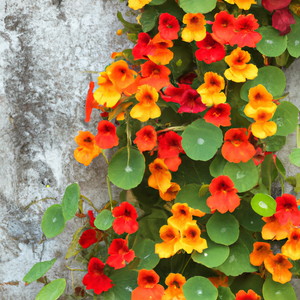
(107,93)
(171,241)
(181,215)
(219,280)
(260,97)
(137,4)
(209,50)
(279,266)
(287,209)
(260,251)
(107,135)
(95,279)
(146,138)
(119,254)
(272,230)
(195,27)
(174,291)
(88,238)
(197,213)
(282,20)
(236,147)
(263,130)
(125,218)
(87,149)
(223,27)
(223,195)
(160,177)
(219,115)
(168,26)
(90,102)
(169,145)
(172,163)
(146,108)
(190,238)
(144,46)
(242,4)
(291,248)
(148,287)
(92,218)
(245,34)
(171,192)
(239,70)
(250,295)
(271,5)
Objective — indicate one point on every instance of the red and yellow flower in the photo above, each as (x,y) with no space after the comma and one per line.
(250,295)
(195,27)
(174,291)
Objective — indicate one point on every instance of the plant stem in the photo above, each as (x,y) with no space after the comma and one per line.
(174,128)
(187,262)
(103,153)
(109,192)
(94,297)
(90,202)
(75,269)
(36,201)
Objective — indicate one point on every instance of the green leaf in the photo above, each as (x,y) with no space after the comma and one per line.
(295,157)
(53,290)
(148,18)
(225,293)
(70,201)
(264,205)
(286,118)
(274,143)
(272,78)
(293,38)
(125,281)
(189,194)
(191,6)
(217,166)
(244,175)
(223,228)
(157,2)
(280,167)
(271,44)
(213,256)
(268,171)
(276,291)
(238,261)
(201,140)
(126,168)
(131,26)
(53,222)
(104,220)
(199,288)
(297,187)
(73,249)
(246,282)
(38,270)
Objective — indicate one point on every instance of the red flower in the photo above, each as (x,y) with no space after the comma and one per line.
(92,218)
(172,163)
(287,209)
(191,102)
(188,78)
(119,253)
(237,148)
(88,238)
(90,102)
(209,50)
(173,94)
(271,5)
(219,115)
(106,136)
(95,279)
(125,221)
(169,145)
(223,27)
(144,47)
(223,195)
(148,288)
(251,295)
(245,34)
(146,138)
(282,19)
(168,27)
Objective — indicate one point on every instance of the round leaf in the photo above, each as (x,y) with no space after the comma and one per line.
(192,6)
(201,140)
(244,175)
(53,290)
(217,166)
(126,170)
(246,282)
(213,256)
(70,201)
(225,293)
(276,291)
(293,42)
(104,220)
(199,288)
(223,228)
(157,2)
(148,18)
(189,194)
(264,205)
(274,143)
(53,222)
(286,118)
(295,157)
(272,78)
(271,44)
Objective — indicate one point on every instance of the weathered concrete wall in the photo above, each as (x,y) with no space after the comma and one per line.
(44,49)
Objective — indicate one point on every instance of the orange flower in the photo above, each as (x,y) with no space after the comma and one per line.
(219,281)
(181,215)
(160,177)
(242,4)
(191,239)
(211,88)
(272,230)
(171,192)
(197,213)
(87,149)
(251,295)
(106,94)
(292,247)
(260,252)
(146,108)
(195,27)
(260,97)
(174,291)
(263,130)
(137,4)
(171,241)
(239,70)
(278,266)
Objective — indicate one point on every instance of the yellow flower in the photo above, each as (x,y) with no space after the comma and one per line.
(137,4)
(195,29)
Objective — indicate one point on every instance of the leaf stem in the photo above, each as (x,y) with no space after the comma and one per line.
(109,192)
(75,269)
(36,201)
(187,262)
(174,128)
(90,202)
(103,153)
